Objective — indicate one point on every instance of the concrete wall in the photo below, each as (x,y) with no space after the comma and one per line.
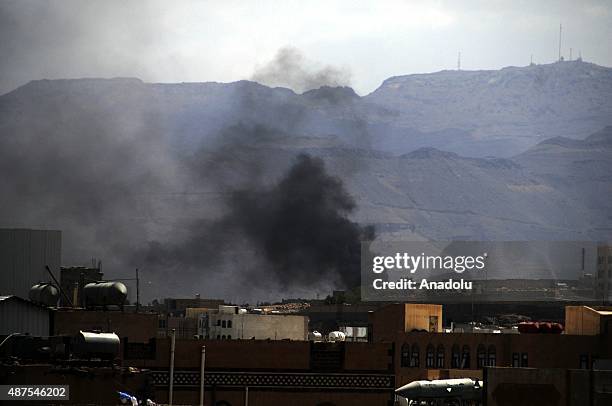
(23,256)
(395,319)
(426,317)
(581,320)
(525,386)
(20,316)
(137,327)
(547,387)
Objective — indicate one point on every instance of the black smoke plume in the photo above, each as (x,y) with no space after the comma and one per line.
(289,68)
(298,228)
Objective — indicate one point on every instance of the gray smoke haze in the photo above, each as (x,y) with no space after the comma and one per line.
(94,159)
(291,69)
(72,39)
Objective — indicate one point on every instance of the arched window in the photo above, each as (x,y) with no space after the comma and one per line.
(429,357)
(223,337)
(229,337)
(465,357)
(218,336)
(491,356)
(414,356)
(223,324)
(455,357)
(440,356)
(405,356)
(481,356)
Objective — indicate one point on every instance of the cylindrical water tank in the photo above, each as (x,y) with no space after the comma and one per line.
(336,336)
(315,336)
(104,294)
(96,345)
(44,293)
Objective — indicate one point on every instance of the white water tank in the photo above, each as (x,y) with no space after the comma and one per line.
(336,336)
(315,336)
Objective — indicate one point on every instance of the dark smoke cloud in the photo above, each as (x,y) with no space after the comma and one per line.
(289,68)
(299,227)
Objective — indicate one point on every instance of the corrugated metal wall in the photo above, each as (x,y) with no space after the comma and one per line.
(23,256)
(17,316)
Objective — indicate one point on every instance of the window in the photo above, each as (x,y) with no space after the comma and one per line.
(481,356)
(218,336)
(584,361)
(524,360)
(491,356)
(429,357)
(223,337)
(516,360)
(414,356)
(440,357)
(465,357)
(229,337)
(161,323)
(218,322)
(455,357)
(223,324)
(405,356)
(229,324)
(433,324)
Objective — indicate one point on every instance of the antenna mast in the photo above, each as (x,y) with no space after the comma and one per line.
(560,29)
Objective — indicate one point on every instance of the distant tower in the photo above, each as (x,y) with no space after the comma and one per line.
(560,30)
(570,54)
(579,56)
(459,61)
(531,61)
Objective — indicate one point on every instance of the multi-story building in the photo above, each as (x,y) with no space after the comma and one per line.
(232,322)
(73,279)
(604,273)
(421,355)
(24,254)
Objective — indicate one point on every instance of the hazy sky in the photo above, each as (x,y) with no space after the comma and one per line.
(184,41)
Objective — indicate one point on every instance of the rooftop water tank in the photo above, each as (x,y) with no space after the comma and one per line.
(336,336)
(96,345)
(104,294)
(44,293)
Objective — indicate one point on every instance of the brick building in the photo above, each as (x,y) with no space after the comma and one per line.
(258,372)
(422,355)
(136,327)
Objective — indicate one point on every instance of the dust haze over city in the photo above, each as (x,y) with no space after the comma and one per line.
(243,151)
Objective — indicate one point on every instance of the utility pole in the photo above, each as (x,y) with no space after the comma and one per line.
(560,29)
(203,363)
(137,292)
(172,347)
